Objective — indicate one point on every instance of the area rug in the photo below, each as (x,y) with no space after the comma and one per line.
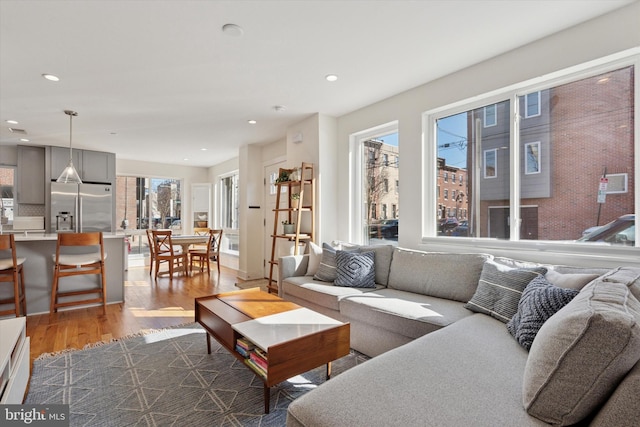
(166,378)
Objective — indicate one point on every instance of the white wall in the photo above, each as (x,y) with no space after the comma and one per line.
(603,36)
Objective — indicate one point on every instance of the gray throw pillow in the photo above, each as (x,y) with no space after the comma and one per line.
(500,288)
(581,353)
(356,270)
(327,269)
(540,300)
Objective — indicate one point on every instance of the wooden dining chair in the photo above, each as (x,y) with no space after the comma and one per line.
(165,252)
(152,250)
(211,252)
(79,254)
(11,271)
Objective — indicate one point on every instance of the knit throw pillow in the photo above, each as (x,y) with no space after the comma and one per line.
(356,270)
(326,271)
(540,300)
(500,288)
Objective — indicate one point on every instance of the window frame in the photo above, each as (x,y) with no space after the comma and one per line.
(551,249)
(527,114)
(485,163)
(486,123)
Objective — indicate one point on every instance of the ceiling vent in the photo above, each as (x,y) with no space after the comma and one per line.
(20,131)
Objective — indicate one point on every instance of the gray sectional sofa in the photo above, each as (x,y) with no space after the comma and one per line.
(466,339)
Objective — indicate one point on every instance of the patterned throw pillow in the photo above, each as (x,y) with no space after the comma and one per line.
(500,288)
(356,270)
(540,300)
(326,271)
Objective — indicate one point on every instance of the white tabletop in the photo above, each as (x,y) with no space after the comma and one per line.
(281,327)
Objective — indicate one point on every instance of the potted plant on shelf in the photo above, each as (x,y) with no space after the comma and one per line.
(295,200)
(288,227)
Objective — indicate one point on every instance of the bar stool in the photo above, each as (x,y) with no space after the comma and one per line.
(11,271)
(78,261)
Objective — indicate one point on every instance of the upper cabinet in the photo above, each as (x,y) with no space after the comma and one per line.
(60,160)
(92,166)
(98,166)
(30,175)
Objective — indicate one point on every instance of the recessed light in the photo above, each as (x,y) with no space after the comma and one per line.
(203,149)
(186,159)
(51,77)
(11,122)
(24,140)
(232,30)
(252,122)
(331,77)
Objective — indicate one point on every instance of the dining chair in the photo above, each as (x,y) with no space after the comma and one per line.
(211,252)
(152,250)
(11,271)
(165,251)
(79,254)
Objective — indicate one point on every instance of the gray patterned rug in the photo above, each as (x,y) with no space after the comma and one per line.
(165,378)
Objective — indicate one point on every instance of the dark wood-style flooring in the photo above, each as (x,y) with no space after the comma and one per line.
(149,304)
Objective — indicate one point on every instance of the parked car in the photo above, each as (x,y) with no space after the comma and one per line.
(621,231)
(448,224)
(387,229)
(176,225)
(462,229)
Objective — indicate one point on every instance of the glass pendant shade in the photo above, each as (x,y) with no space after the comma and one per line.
(69,174)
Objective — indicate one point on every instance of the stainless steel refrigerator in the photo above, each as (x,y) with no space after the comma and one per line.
(81,207)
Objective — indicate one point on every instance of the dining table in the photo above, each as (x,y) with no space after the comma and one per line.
(186,240)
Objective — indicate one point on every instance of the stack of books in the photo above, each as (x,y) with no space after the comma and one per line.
(258,362)
(244,347)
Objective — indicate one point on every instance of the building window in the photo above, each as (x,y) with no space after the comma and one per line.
(385,160)
(532,157)
(617,183)
(386,185)
(461,180)
(490,163)
(453,178)
(384,211)
(446,194)
(397,186)
(532,105)
(394,210)
(490,115)
(446,176)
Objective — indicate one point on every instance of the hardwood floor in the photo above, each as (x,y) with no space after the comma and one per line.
(148,304)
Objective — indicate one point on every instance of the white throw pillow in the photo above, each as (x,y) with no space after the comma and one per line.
(315,255)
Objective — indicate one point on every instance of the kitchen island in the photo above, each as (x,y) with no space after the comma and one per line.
(38,249)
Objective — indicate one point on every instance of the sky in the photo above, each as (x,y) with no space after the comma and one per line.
(452,140)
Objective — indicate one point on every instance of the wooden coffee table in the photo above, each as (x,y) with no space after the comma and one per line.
(295,339)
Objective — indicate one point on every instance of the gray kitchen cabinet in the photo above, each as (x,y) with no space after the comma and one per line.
(98,166)
(30,176)
(60,160)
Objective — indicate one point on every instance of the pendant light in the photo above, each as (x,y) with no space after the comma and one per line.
(69,175)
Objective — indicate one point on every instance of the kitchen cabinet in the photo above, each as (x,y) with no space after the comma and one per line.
(98,166)
(92,166)
(30,175)
(60,160)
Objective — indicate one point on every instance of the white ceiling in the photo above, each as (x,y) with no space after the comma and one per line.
(159,81)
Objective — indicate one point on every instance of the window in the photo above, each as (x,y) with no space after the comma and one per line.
(446,176)
(563,143)
(371,195)
(490,163)
(532,158)
(532,105)
(394,211)
(446,194)
(229,216)
(397,186)
(490,116)
(453,178)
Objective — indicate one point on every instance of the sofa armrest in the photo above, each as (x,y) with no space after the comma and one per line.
(290,266)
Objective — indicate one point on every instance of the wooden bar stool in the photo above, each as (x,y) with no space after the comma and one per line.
(79,261)
(11,271)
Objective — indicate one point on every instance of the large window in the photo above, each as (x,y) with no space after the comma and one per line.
(375,204)
(562,146)
(229,207)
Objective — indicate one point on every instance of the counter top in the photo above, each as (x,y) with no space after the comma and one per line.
(35,236)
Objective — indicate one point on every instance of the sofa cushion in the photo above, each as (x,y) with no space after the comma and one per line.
(457,376)
(315,256)
(575,281)
(540,300)
(405,313)
(321,293)
(582,352)
(500,288)
(622,407)
(383,256)
(355,269)
(444,275)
